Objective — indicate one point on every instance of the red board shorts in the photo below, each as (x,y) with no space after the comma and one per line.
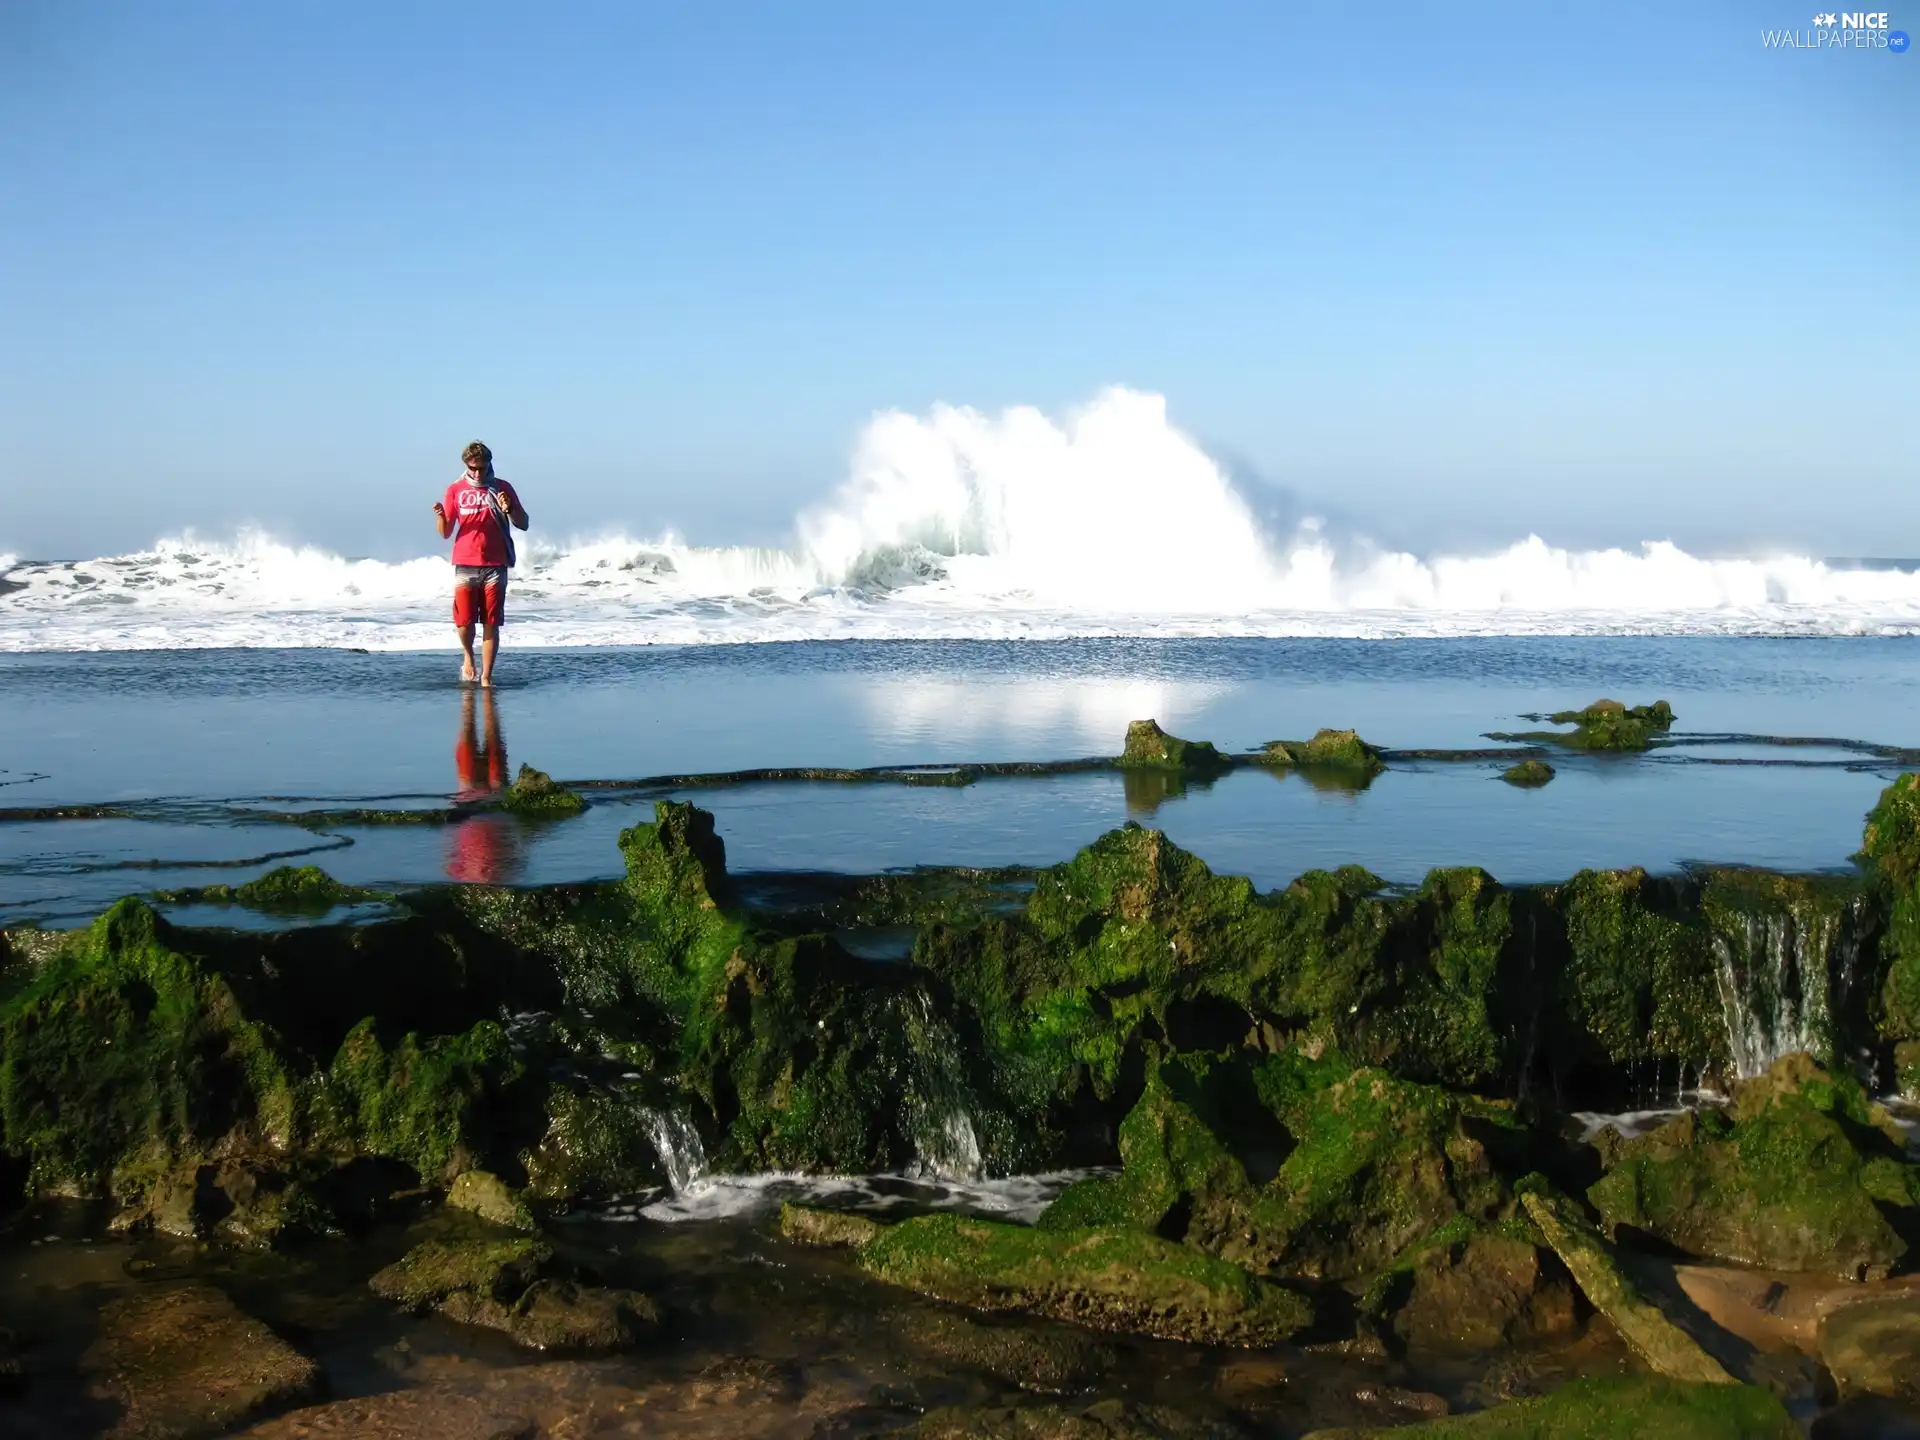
(479,594)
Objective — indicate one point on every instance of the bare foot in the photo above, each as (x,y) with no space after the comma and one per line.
(466,673)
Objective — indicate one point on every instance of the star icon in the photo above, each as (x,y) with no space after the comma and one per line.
(1829,18)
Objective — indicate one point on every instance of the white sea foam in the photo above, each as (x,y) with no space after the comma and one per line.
(1107,521)
(1017,1198)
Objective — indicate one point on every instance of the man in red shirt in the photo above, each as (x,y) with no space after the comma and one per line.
(476,511)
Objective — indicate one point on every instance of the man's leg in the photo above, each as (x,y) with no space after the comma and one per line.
(466,648)
(489,647)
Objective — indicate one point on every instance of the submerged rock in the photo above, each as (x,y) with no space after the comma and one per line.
(1105,1420)
(534,795)
(1148,747)
(1872,1347)
(1797,1177)
(183,1361)
(1664,1346)
(1528,774)
(1108,1279)
(1640,1407)
(808,1225)
(1050,1360)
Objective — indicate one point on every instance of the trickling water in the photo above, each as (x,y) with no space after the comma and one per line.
(946,1144)
(682,1155)
(1781,977)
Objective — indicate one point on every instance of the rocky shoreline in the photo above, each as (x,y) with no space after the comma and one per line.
(1334,1120)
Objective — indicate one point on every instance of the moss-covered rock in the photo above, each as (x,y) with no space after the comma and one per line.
(1639,1407)
(1372,1165)
(1799,1176)
(810,1225)
(1664,1346)
(1528,774)
(122,1057)
(482,1193)
(1108,1279)
(516,1286)
(1892,852)
(496,1269)
(1639,984)
(534,795)
(422,1100)
(1611,725)
(1148,747)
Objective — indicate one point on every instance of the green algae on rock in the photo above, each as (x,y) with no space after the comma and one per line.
(302,889)
(1148,747)
(485,1194)
(1799,1176)
(512,1286)
(1664,1346)
(1640,981)
(1639,1407)
(1603,725)
(810,1225)
(534,795)
(1372,1166)
(1109,1279)
(1528,774)
(1892,852)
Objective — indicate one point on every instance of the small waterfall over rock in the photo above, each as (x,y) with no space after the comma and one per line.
(1784,976)
(938,1102)
(682,1155)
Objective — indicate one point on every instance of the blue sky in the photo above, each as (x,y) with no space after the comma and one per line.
(1602,271)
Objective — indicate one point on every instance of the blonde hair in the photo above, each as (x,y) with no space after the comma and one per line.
(477,454)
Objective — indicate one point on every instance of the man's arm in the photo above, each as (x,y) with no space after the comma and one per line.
(444,520)
(515,511)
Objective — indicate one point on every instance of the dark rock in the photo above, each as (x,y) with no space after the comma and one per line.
(1641,1407)
(1483,1294)
(1106,1420)
(1050,1359)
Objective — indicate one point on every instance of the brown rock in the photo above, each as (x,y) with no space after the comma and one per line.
(1873,1347)
(184,1361)
(1489,1292)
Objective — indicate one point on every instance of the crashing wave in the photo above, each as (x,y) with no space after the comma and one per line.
(955,524)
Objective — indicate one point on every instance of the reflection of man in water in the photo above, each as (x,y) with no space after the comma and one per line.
(482,767)
(482,849)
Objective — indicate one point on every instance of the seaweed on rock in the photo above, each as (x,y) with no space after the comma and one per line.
(1804,1173)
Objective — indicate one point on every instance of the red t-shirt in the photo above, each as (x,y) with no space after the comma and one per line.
(479,531)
